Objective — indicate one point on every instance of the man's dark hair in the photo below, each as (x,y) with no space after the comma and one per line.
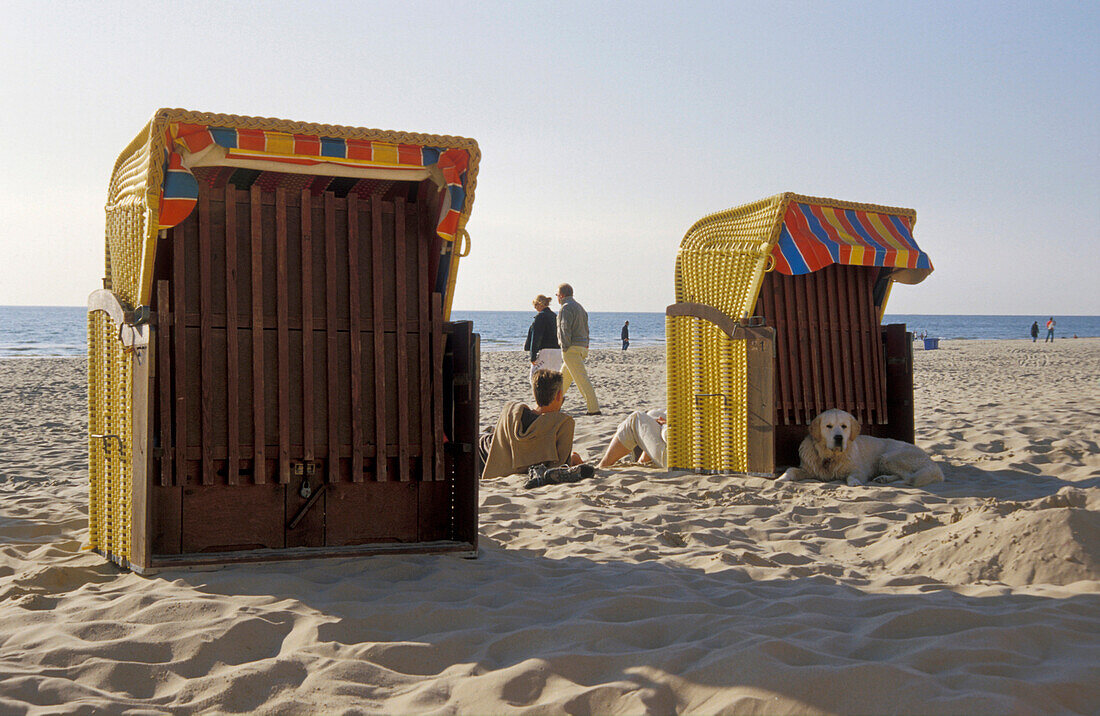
(565,290)
(546,384)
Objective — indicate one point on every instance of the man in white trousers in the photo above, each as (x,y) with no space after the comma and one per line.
(573,339)
(648,431)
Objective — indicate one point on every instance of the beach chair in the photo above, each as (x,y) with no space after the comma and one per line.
(271,369)
(777,318)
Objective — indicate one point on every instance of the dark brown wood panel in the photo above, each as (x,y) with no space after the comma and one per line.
(164,384)
(378,271)
(166,512)
(225,518)
(425,366)
(277,288)
(437,385)
(360,513)
(179,306)
(307,325)
(354,342)
(827,350)
(401,309)
(206,356)
(232,359)
(283,327)
(259,431)
(465,355)
(333,383)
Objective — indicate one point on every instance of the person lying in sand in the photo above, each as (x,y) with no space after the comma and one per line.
(647,432)
(524,437)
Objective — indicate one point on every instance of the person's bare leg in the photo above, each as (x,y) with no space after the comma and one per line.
(575,459)
(615,451)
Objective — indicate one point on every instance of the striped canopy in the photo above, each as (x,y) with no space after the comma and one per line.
(153,188)
(725,256)
(813,236)
(180,191)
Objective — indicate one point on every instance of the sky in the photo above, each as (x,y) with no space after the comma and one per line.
(606,128)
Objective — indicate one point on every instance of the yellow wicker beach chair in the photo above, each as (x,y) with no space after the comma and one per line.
(267,358)
(777,317)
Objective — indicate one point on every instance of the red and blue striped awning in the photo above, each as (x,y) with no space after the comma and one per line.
(814,236)
(180,191)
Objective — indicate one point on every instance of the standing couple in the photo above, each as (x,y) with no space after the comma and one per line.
(554,340)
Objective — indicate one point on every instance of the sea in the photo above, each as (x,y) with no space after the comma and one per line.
(29,331)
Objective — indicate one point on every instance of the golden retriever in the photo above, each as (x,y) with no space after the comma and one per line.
(834,450)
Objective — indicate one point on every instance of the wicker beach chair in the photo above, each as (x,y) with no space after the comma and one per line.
(271,371)
(778,317)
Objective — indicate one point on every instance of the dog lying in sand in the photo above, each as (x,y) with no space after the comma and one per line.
(834,450)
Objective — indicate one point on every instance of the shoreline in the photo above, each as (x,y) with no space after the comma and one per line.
(607,345)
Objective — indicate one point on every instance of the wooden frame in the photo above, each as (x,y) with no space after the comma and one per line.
(297,340)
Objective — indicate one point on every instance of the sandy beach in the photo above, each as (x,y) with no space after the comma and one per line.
(640,591)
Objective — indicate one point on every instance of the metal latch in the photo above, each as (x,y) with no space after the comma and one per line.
(106,437)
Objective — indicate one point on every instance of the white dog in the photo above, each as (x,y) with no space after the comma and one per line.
(834,450)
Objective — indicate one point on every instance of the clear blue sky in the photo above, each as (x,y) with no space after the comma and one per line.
(606,129)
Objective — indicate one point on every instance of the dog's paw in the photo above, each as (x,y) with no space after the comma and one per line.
(854,481)
(887,479)
(794,474)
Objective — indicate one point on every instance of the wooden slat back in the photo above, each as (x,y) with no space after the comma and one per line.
(232,347)
(377,273)
(259,399)
(178,399)
(283,332)
(322,308)
(164,384)
(828,349)
(356,347)
(335,390)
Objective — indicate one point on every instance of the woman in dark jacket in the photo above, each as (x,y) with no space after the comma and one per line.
(542,337)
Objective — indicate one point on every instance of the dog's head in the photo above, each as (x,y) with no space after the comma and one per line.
(834,430)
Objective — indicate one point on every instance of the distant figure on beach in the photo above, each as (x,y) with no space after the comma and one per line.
(626,335)
(1051,323)
(524,437)
(1034,331)
(647,431)
(542,337)
(573,339)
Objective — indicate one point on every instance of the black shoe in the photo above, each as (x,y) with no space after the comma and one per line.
(537,477)
(584,471)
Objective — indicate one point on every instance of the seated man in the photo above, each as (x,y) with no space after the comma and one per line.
(645,431)
(524,437)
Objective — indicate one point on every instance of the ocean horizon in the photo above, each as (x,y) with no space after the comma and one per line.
(35,331)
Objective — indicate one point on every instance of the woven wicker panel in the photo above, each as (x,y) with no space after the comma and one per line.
(707,387)
(723,256)
(109,458)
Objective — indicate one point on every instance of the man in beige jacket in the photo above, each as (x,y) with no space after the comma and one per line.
(524,437)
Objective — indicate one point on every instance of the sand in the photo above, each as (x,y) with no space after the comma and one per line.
(640,591)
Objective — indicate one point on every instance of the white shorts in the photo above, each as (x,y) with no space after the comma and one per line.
(549,358)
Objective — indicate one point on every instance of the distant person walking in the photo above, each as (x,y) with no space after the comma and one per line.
(542,337)
(626,335)
(573,339)
(1034,331)
(1050,330)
